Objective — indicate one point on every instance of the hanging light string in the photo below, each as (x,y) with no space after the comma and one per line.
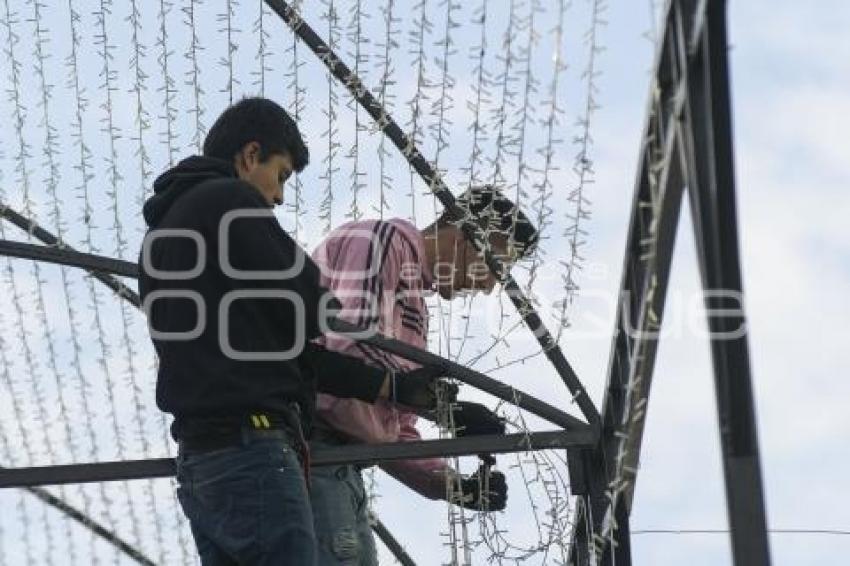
(386,98)
(225,19)
(32,372)
(575,232)
(296,206)
(86,173)
(332,131)
(168,134)
(193,75)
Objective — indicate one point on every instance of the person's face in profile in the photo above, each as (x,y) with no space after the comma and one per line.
(268,176)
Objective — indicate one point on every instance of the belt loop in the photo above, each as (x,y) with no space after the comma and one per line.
(300,442)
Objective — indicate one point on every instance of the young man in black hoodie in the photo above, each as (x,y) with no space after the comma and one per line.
(233,304)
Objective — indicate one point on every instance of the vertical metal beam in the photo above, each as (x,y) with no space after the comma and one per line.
(711,191)
(580,542)
(623,550)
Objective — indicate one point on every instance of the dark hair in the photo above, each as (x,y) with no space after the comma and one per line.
(256,120)
(496,213)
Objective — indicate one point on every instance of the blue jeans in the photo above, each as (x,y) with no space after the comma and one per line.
(340,511)
(248,505)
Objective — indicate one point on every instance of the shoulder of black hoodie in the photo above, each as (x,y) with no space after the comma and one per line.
(215,197)
(255,243)
(262,244)
(269,247)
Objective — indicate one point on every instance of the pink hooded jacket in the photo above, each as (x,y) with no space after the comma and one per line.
(377,271)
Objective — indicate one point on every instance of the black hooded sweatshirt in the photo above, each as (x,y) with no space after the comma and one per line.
(197,376)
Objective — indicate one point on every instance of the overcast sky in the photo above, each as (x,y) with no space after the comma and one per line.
(790,64)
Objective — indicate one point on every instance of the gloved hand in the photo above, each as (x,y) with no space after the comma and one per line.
(485,490)
(418,388)
(474,419)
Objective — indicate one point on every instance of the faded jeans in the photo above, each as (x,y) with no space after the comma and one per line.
(340,512)
(248,505)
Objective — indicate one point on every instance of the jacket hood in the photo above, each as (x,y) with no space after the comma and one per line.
(174,183)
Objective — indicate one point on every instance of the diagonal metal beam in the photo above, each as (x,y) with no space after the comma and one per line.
(390,541)
(109,536)
(435,182)
(711,192)
(326,456)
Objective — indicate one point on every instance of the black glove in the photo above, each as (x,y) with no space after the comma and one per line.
(474,419)
(418,388)
(485,490)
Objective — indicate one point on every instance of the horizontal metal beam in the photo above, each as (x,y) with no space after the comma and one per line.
(466,375)
(105,265)
(68,257)
(330,456)
(465,446)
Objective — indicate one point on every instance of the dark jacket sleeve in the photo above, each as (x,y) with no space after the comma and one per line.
(345,376)
(264,246)
(258,244)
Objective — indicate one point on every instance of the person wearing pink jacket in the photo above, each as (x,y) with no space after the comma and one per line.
(379,271)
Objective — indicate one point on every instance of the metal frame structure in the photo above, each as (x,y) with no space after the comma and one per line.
(687,144)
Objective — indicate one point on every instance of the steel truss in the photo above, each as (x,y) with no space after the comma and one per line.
(687,143)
